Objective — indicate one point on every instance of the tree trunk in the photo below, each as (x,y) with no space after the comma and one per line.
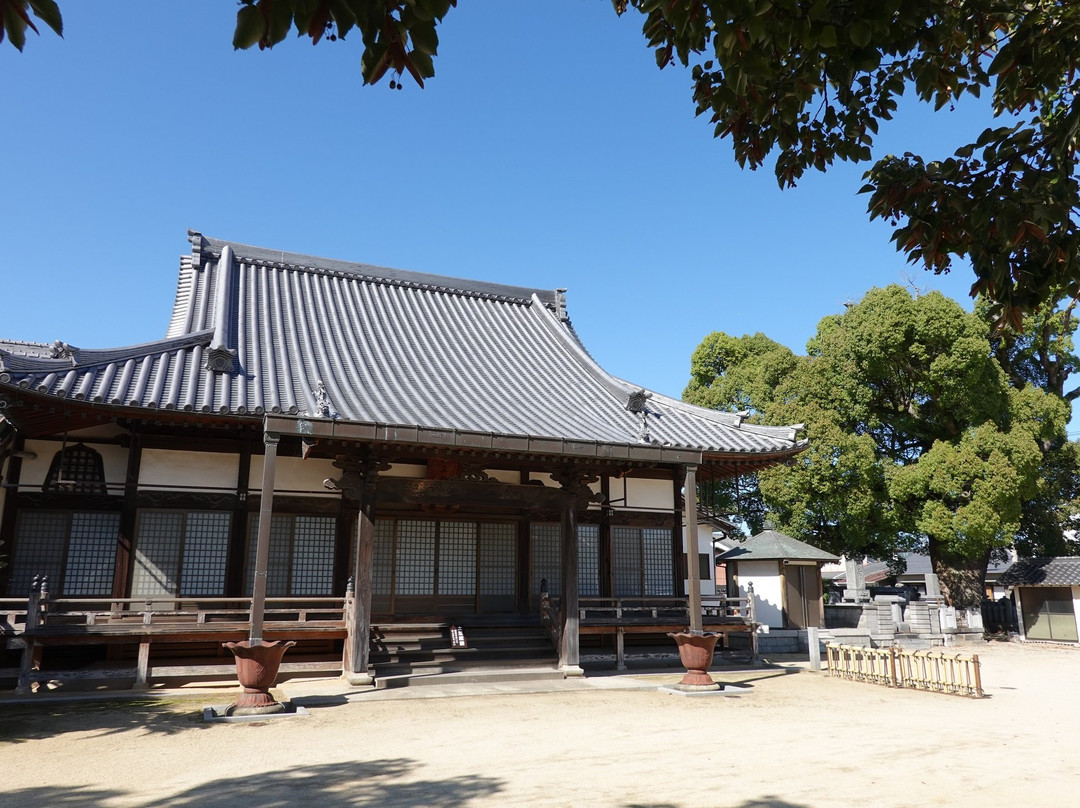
(962,580)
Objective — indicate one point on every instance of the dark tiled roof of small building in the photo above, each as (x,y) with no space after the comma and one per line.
(919,564)
(769,545)
(257,331)
(1060,571)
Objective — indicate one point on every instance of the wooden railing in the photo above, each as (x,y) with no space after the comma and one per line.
(79,621)
(664,611)
(936,671)
(650,615)
(12,616)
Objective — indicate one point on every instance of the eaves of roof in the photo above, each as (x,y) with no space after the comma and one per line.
(770,545)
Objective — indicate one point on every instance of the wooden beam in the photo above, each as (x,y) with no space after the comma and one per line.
(467,493)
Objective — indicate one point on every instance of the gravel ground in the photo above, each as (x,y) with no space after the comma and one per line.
(793,739)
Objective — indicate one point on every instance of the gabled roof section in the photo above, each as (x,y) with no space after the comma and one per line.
(1059,571)
(256,331)
(772,545)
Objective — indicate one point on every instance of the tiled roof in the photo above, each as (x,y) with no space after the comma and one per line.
(1060,571)
(919,564)
(769,545)
(258,331)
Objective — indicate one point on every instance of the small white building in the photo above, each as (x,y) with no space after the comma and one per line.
(786,577)
(1047,596)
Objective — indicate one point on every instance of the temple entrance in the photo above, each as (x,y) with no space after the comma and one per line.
(444,567)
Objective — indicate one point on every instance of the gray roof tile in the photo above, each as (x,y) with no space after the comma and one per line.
(769,545)
(258,331)
(1060,571)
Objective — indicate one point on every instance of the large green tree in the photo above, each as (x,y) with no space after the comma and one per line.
(810,82)
(918,437)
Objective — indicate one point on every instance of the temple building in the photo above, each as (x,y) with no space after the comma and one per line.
(448,446)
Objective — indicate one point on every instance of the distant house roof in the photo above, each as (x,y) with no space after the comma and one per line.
(1060,571)
(874,572)
(256,331)
(918,564)
(770,545)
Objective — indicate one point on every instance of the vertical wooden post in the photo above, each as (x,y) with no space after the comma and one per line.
(142,667)
(124,544)
(11,507)
(358,485)
(814,647)
(691,541)
(569,649)
(262,551)
(238,528)
(30,653)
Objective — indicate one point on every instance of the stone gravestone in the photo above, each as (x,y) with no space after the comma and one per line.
(933,587)
(856,582)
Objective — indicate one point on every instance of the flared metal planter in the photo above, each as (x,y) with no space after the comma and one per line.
(257,669)
(696,655)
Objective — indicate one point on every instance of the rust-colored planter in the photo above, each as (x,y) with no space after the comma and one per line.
(257,669)
(696,655)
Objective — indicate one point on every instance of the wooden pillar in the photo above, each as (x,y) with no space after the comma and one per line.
(524,567)
(238,530)
(692,572)
(569,651)
(262,550)
(358,487)
(126,539)
(678,476)
(11,508)
(607,555)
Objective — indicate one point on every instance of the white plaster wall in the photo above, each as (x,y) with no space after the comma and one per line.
(1076,607)
(507,476)
(113,459)
(170,470)
(296,475)
(642,494)
(35,469)
(705,545)
(768,590)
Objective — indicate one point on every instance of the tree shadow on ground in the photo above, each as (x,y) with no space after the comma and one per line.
(373,784)
(27,722)
(764,802)
(56,797)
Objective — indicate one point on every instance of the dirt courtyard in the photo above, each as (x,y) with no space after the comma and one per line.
(795,740)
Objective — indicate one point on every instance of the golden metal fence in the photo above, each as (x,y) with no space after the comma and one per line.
(936,671)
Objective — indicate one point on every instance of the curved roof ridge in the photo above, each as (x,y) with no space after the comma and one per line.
(621,389)
(73,357)
(249,254)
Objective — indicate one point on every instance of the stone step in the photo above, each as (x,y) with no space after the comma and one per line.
(456,674)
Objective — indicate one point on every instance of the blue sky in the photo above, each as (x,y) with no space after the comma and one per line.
(548,151)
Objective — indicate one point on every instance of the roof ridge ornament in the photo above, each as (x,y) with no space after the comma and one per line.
(638,403)
(221,356)
(323,408)
(61,350)
(197,245)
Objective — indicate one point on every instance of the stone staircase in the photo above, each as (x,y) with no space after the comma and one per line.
(417,653)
